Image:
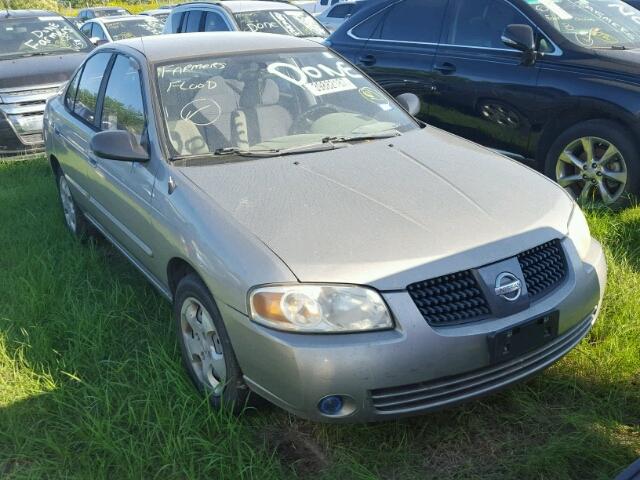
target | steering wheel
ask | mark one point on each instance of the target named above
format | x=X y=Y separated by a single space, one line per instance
x=303 y=122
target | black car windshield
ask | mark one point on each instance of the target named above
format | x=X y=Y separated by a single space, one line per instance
x=110 y=12
x=27 y=36
x=272 y=102
x=592 y=23
x=296 y=23
x=132 y=28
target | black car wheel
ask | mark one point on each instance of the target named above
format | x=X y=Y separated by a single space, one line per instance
x=207 y=353
x=595 y=161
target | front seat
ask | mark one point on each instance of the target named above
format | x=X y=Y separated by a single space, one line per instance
x=265 y=117
x=215 y=109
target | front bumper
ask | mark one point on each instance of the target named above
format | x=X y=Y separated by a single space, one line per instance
x=414 y=368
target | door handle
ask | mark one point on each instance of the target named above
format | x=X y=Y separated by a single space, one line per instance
x=445 y=68
x=56 y=130
x=367 y=60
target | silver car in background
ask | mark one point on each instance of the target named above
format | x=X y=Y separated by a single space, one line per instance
x=321 y=248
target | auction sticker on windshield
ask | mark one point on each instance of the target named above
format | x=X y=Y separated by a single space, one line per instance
x=318 y=80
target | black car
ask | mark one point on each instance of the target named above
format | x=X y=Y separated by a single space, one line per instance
x=552 y=82
x=39 y=51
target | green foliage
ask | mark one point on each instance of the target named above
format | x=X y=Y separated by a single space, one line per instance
x=91 y=384
x=31 y=4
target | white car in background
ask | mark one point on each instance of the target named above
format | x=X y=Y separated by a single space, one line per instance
x=335 y=15
x=110 y=29
x=316 y=6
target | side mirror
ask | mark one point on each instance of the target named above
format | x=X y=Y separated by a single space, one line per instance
x=118 y=145
x=521 y=38
x=410 y=102
x=97 y=41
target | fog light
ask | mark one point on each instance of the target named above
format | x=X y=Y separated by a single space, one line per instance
x=331 y=405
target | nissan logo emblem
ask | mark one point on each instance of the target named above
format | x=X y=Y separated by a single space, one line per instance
x=508 y=286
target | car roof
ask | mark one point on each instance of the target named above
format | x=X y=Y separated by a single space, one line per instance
x=161 y=48
x=27 y=14
x=237 y=6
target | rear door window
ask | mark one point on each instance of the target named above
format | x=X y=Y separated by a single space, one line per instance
x=413 y=21
x=86 y=29
x=89 y=87
x=98 y=32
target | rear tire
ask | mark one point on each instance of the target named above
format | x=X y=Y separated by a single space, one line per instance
x=207 y=353
x=597 y=163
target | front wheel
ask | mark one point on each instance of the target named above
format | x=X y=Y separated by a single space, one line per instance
x=596 y=162
x=207 y=353
x=73 y=217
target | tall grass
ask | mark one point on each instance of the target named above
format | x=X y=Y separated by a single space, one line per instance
x=91 y=384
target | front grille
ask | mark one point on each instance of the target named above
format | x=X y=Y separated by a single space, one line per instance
x=544 y=267
x=31 y=138
x=450 y=300
x=457 y=298
x=442 y=392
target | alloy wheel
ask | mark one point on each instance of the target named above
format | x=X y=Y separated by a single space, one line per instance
x=68 y=206
x=592 y=169
x=203 y=345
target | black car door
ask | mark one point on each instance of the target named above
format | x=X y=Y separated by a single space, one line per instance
x=401 y=44
x=482 y=90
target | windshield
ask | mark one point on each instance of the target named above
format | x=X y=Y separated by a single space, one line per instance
x=111 y=12
x=592 y=23
x=120 y=30
x=21 y=37
x=296 y=23
x=272 y=103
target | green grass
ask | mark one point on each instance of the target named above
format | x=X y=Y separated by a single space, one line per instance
x=91 y=384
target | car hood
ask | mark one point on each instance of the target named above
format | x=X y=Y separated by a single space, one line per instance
x=389 y=212
x=22 y=73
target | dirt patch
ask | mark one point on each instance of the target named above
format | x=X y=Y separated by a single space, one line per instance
x=297 y=450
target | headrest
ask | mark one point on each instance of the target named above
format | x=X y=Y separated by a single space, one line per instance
x=270 y=94
x=259 y=93
x=218 y=90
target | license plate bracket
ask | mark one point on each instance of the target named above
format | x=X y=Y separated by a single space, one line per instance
x=519 y=339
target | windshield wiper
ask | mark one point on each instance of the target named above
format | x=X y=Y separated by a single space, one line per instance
x=258 y=153
x=227 y=151
x=611 y=47
x=34 y=54
x=267 y=152
x=361 y=138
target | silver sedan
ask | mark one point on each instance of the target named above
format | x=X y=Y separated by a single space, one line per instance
x=321 y=248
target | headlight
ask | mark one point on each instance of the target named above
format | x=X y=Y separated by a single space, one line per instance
x=319 y=308
x=578 y=232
